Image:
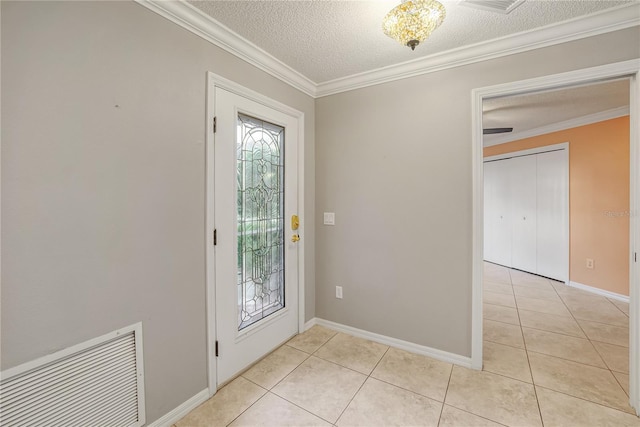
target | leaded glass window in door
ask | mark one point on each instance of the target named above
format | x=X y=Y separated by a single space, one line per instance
x=260 y=173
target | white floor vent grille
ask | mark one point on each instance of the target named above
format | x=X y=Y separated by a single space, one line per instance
x=97 y=383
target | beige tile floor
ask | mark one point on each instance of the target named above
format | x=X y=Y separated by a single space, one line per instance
x=553 y=356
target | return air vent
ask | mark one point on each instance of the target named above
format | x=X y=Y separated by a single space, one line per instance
x=96 y=383
x=499 y=6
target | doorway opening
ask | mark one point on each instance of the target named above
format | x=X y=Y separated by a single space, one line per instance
x=627 y=70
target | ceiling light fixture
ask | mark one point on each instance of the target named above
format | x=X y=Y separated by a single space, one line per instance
x=413 y=21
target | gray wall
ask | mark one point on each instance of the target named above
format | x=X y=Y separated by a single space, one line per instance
x=393 y=162
x=103 y=208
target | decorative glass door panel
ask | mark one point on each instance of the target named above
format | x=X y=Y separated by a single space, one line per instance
x=260 y=172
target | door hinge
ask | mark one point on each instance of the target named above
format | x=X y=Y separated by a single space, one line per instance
x=216 y=348
x=215 y=237
x=635 y=257
x=215 y=124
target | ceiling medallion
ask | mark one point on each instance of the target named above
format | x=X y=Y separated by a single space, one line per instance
x=413 y=21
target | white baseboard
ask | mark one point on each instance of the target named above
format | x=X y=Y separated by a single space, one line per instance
x=178 y=413
x=310 y=324
x=397 y=343
x=600 y=292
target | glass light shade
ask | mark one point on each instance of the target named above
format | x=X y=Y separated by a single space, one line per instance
x=413 y=21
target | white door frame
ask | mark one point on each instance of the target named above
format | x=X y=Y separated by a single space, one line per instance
x=215 y=81
x=538 y=150
x=629 y=69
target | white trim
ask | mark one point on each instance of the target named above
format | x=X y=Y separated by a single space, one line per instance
x=634 y=245
x=489 y=7
x=203 y=25
x=210 y=269
x=534 y=150
x=213 y=81
x=556 y=127
x=310 y=324
x=586 y=26
x=397 y=343
x=180 y=411
x=629 y=68
x=477 y=234
x=302 y=225
x=598 y=291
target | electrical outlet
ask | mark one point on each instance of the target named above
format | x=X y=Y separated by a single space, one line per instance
x=590 y=264
x=339 y=292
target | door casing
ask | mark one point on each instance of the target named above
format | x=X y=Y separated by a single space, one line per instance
x=213 y=81
x=626 y=69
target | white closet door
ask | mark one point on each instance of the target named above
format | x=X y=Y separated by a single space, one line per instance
x=497 y=222
x=552 y=253
x=504 y=218
x=523 y=198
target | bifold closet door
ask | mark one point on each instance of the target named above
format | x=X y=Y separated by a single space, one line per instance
x=524 y=212
x=552 y=254
x=497 y=212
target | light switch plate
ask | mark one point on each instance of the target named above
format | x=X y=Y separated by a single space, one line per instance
x=329 y=218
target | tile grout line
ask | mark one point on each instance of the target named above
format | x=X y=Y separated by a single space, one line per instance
x=606 y=368
x=572 y=316
x=507 y=345
x=526 y=352
x=616 y=306
x=406 y=389
x=309 y=355
x=590 y=320
x=507 y=376
x=557 y=333
x=586 y=400
x=269 y=390
x=577 y=319
x=298 y=406
x=247 y=408
x=594 y=347
x=361 y=385
x=476 y=415
x=444 y=398
x=588 y=338
x=611 y=370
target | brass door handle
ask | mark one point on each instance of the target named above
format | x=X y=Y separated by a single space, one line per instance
x=295 y=238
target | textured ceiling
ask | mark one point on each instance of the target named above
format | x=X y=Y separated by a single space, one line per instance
x=325 y=40
x=531 y=111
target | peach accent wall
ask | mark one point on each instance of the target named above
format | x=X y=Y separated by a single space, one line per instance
x=598 y=199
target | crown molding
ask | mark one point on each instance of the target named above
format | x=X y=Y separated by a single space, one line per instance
x=556 y=127
x=194 y=20
x=586 y=26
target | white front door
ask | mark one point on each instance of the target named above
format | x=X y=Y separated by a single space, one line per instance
x=256 y=253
